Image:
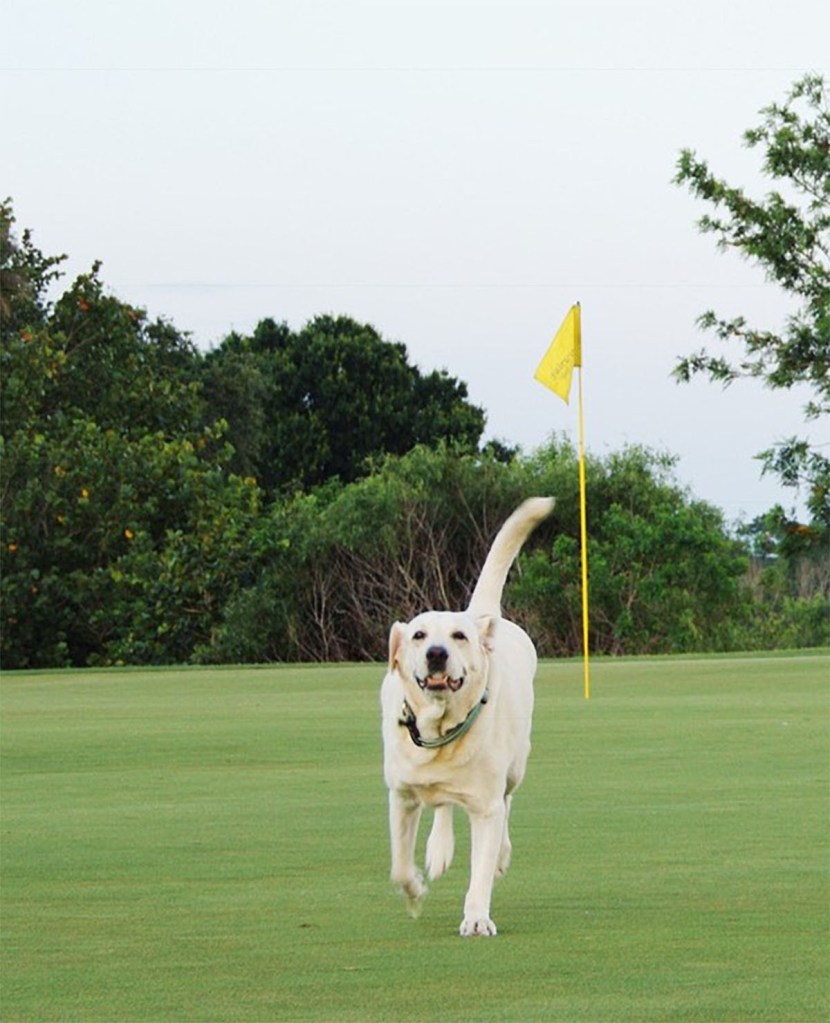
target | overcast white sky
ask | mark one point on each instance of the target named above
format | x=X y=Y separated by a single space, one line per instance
x=455 y=173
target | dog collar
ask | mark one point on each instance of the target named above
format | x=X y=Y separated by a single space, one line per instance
x=410 y=722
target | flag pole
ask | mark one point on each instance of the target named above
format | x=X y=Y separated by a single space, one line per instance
x=583 y=531
x=555 y=372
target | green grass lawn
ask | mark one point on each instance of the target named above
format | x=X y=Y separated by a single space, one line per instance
x=210 y=844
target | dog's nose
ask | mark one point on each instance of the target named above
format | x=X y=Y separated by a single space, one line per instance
x=437 y=658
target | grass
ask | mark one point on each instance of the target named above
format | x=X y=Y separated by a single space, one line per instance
x=211 y=845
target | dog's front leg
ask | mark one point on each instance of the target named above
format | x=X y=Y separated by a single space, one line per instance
x=404 y=815
x=486 y=831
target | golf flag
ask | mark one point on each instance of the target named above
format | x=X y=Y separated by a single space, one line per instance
x=556 y=369
x=555 y=372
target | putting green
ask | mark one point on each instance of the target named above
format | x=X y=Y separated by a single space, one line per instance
x=210 y=844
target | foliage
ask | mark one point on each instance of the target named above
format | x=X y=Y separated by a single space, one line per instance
x=663 y=571
x=338 y=565
x=787 y=233
x=115 y=550
x=789 y=584
x=321 y=402
x=125 y=528
x=119 y=521
x=344 y=562
x=288 y=495
x=25 y=275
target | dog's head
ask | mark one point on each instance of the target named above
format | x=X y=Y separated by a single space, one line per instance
x=441 y=652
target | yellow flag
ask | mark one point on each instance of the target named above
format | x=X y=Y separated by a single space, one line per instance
x=556 y=369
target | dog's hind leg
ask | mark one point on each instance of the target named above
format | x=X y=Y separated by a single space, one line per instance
x=441 y=843
x=404 y=815
x=506 y=851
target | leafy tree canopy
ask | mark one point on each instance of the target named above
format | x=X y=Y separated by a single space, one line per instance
x=323 y=401
x=119 y=519
x=665 y=575
x=87 y=354
x=787 y=233
x=133 y=532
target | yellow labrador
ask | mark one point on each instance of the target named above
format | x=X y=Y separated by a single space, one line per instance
x=457 y=702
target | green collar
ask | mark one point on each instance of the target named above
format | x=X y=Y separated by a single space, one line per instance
x=409 y=721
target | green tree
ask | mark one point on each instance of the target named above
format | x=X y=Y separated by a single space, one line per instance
x=25 y=275
x=787 y=234
x=664 y=574
x=789 y=580
x=335 y=567
x=120 y=523
x=324 y=401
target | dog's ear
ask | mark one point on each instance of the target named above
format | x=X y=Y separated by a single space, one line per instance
x=486 y=625
x=397 y=634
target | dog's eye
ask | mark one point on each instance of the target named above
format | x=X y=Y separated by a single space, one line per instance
x=420 y=634
x=459 y=636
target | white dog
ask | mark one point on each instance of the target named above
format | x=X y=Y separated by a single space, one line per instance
x=457 y=702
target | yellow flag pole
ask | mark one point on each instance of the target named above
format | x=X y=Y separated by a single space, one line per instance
x=583 y=529
x=555 y=372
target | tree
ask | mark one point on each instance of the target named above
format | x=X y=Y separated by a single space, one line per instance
x=787 y=233
x=25 y=274
x=664 y=575
x=335 y=567
x=121 y=527
x=322 y=402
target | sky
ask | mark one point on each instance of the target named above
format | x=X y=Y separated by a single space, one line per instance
x=455 y=173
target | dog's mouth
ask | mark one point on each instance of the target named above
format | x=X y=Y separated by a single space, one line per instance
x=437 y=683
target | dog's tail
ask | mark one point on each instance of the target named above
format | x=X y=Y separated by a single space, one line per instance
x=486 y=598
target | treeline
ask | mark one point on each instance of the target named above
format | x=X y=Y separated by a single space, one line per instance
x=336 y=566
x=288 y=495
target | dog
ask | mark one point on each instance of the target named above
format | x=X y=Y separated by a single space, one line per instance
x=456 y=706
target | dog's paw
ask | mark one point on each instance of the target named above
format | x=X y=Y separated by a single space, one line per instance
x=482 y=927
x=414 y=891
